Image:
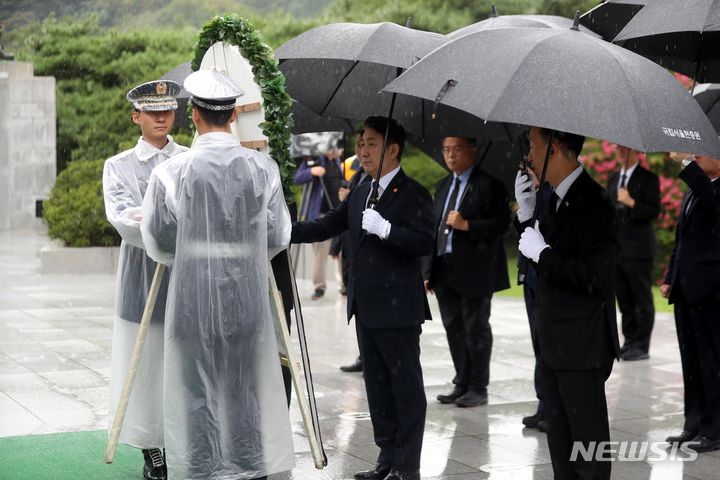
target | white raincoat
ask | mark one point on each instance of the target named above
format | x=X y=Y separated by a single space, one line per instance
x=125 y=178
x=217 y=215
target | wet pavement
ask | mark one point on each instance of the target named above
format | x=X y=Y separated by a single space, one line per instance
x=55 y=338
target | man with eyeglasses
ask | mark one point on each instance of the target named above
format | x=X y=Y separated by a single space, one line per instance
x=468 y=265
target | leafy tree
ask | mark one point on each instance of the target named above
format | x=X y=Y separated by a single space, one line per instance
x=94 y=68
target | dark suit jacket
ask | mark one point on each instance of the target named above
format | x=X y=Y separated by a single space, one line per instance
x=575 y=297
x=385 y=287
x=694 y=271
x=478 y=255
x=635 y=225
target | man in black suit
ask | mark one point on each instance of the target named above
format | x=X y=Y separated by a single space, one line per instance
x=468 y=265
x=574 y=250
x=636 y=192
x=386 y=295
x=693 y=286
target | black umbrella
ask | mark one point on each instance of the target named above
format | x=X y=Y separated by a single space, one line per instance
x=708 y=96
x=503 y=21
x=339 y=69
x=563 y=80
x=683 y=36
x=178 y=75
x=307 y=121
x=610 y=16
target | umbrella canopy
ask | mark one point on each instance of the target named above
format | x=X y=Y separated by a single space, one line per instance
x=339 y=69
x=682 y=36
x=307 y=121
x=610 y=16
x=708 y=96
x=178 y=75
x=563 y=80
x=503 y=21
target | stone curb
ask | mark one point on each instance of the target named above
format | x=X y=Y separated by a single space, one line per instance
x=56 y=258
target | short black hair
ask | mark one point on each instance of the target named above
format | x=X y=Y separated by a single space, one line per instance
x=395 y=132
x=570 y=141
x=470 y=140
x=216 y=118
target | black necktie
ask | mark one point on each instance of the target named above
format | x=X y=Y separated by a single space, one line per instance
x=552 y=208
x=444 y=229
x=623 y=179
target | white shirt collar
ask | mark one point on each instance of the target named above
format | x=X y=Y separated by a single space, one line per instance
x=562 y=189
x=145 y=151
x=387 y=178
x=217 y=138
x=628 y=172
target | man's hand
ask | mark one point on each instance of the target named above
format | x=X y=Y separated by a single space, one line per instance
x=625 y=198
x=375 y=224
x=456 y=221
x=665 y=290
x=532 y=243
x=343 y=193
x=427 y=287
x=317 y=171
x=525 y=196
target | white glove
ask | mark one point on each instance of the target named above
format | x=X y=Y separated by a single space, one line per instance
x=525 y=196
x=532 y=243
x=375 y=224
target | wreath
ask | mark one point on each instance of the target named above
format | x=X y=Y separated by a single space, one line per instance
x=235 y=30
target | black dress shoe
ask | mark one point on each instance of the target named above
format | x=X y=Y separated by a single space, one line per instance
x=532 y=421
x=318 y=294
x=379 y=472
x=456 y=393
x=703 y=444
x=472 y=399
x=684 y=436
x=356 y=366
x=403 y=475
x=633 y=354
x=542 y=426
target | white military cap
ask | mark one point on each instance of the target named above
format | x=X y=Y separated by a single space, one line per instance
x=155 y=96
x=212 y=90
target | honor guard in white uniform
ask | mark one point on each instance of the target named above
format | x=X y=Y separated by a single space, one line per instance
x=125 y=180
x=217 y=214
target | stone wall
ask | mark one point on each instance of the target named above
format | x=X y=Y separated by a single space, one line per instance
x=27 y=143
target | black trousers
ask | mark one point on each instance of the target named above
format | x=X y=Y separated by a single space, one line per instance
x=529 y=296
x=698 y=334
x=467 y=325
x=396 y=393
x=634 y=295
x=575 y=411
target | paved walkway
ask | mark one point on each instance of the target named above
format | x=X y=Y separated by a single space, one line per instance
x=55 y=337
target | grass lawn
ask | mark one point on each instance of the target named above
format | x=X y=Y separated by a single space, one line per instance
x=515 y=290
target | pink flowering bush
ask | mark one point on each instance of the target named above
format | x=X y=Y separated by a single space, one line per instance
x=600 y=161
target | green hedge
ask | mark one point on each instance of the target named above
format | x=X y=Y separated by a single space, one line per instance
x=75 y=212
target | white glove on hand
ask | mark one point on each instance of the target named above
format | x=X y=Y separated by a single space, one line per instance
x=375 y=224
x=532 y=243
x=525 y=196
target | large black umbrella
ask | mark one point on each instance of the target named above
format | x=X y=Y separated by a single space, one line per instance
x=503 y=21
x=307 y=121
x=683 y=36
x=178 y=75
x=563 y=80
x=339 y=70
x=708 y=96
x=611 y=16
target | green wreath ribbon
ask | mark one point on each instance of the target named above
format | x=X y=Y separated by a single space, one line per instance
x=235 y=30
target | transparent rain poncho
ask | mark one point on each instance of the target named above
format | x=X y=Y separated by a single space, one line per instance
x=125 y=179
x=217 y=215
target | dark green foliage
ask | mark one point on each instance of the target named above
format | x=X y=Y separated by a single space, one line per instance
x=75 y=212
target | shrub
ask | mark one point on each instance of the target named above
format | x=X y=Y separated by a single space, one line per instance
x=75 y=212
